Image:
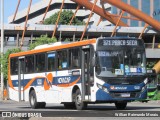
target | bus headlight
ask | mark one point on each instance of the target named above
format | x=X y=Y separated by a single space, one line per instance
x=103 y=88
x=146 y=81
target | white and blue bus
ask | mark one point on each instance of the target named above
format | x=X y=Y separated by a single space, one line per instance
x=102 y=70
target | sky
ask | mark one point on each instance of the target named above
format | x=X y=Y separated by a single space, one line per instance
x=10 y=7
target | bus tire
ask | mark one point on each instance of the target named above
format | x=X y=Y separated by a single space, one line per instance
x=69 y=105
x=42 y=104
x=33 y=100
x=120 y=105
x=79 y=104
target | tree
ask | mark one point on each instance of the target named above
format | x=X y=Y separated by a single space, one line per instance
x=65 y=18
x=39 y=41
x=5 y=60
x=44 y=39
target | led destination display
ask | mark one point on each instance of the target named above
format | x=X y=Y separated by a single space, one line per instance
x=120 y=42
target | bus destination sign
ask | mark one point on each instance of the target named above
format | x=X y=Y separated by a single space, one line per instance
x=120 y=42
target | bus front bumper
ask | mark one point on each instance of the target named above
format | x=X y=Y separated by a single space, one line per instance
x=120 y=96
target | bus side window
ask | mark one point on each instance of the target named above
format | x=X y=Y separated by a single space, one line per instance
x=14 y=66
x=51 y=61
x=62 y=60
x=29 y=62
x=40 y=62
x=74 y=60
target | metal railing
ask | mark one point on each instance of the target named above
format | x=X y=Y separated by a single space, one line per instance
x=15 y=43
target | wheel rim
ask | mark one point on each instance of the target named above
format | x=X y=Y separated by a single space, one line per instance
x=78 y=99
x=32 y=100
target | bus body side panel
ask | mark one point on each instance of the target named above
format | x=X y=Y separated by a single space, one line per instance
x=65 y=81
x=13 y=93
x=46 y=90
x=94 y=89
x=57 y=91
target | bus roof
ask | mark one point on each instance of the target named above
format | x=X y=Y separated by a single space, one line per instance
x=54 y=46
x=50 y=45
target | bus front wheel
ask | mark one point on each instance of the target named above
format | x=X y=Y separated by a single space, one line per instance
x=33 y=100
x=120 y=105
x=80 y=105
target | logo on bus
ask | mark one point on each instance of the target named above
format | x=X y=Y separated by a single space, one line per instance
x=118 y=88
x=64 y=80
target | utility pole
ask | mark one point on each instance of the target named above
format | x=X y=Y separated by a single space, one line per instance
x=2 y=39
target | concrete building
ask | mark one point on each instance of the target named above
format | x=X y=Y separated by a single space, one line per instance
x=37 y=12
x=150 y=7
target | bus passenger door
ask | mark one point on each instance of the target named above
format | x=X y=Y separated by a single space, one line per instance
x=85 y=73
x=21 y=66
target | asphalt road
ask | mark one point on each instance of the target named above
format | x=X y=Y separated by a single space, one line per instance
x=98 y=111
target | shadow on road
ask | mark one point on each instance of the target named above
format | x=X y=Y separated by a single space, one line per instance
x=94 y=107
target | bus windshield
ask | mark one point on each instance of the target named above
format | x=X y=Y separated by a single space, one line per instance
x=120 y=62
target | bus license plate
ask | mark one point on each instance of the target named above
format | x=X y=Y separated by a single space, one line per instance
x=125 y=94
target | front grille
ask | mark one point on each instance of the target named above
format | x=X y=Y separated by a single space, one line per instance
x=122 y=95
x=124 y=80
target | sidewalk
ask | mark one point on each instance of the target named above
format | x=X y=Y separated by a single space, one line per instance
x=8 y=102
x=0 y=96
x=11 y=102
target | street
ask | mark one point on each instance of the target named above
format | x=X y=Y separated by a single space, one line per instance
x=134 y=109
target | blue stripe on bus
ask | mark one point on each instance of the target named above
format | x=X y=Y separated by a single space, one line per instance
x=40 y=81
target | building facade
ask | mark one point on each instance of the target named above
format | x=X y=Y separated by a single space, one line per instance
x=150 y=7
x=37 y=12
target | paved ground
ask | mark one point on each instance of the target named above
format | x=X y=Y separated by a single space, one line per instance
x=93 y=112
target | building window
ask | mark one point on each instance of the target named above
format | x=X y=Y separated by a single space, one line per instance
x=145 y=8
x=125 y=14
x=134 y=3
x=156 y=12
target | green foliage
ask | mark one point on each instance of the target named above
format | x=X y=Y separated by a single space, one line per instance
x=65 y=18
x=5 y=60
x=44 y=39
x=151 y=64
x=157 y=96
